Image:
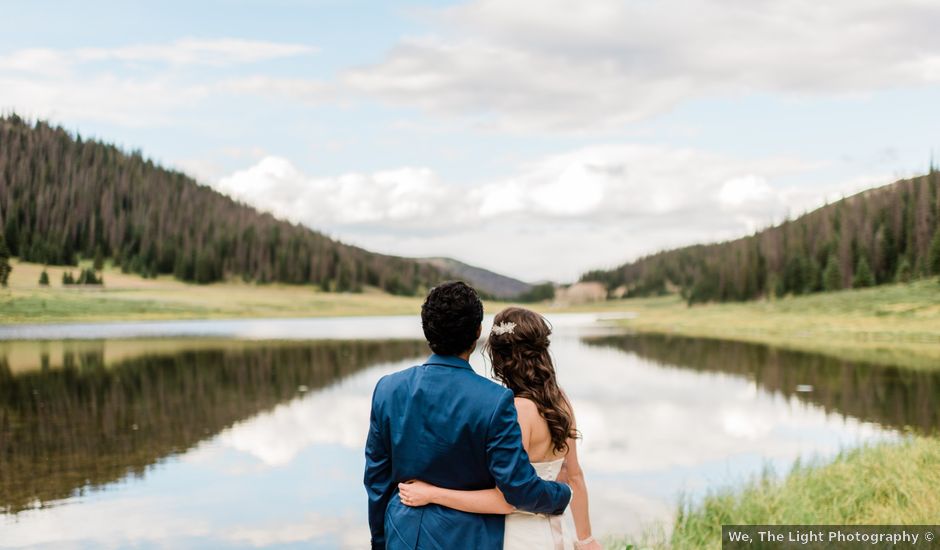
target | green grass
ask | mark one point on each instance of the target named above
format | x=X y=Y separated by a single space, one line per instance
x=888 y=483
x=130 y=297
x=882 y=484
x=38 y=308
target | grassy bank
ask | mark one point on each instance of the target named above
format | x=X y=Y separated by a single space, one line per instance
x=891 y=324
x=878 y=485
x=130 y=297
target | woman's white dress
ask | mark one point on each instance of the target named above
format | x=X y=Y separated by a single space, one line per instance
x=526 y=531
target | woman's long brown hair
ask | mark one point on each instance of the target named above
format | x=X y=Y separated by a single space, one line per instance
x=521 y=361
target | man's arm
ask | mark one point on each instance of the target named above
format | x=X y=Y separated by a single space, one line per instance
x=510 y=467
x=378 y=476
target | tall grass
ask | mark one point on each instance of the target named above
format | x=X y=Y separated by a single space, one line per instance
x=888 y=483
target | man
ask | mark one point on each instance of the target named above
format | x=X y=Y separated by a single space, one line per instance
x=442 y=423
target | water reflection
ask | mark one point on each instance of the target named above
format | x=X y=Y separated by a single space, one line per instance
x=227 y=453
x=887 y=395
x=79 y=422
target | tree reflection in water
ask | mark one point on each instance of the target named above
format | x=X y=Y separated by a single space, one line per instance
x=887 y=395
x=72 y=429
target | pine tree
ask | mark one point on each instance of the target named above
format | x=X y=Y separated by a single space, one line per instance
x=812 y=276
x=933 y=257
x=794 y=276
x=204 y=268
x=44 y=278
x=904 y=271
x=99 y=259
x=5 y=267
x=88 y=277
x=863 y=275
x=832 y=275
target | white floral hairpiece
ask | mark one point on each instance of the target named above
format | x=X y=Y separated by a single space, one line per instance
x=504 y=328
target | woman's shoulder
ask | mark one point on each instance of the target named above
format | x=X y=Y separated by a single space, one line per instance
x=530 y=418
x=526 y=407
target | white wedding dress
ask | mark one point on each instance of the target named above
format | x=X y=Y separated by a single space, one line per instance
x=526 y=531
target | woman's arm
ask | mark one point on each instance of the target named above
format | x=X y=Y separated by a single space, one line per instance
x=484 y=501
x=574 y=476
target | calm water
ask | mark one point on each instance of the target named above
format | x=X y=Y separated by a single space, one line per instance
x=249 y=433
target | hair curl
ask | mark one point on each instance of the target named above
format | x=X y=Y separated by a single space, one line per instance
x=521 y=361
x=450 y=317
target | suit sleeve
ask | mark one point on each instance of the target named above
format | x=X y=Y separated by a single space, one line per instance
x=510 y=467
x=378 y=474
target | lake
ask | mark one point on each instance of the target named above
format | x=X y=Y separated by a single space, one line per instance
x=249 y=433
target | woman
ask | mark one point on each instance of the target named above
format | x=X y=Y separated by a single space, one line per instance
x=518 y=350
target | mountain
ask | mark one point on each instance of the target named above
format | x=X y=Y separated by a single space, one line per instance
x=883 y=235
x=62 y=197
x=487 y=282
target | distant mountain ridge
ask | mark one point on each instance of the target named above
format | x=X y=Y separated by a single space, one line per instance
x=882 y=235
x=487 y=282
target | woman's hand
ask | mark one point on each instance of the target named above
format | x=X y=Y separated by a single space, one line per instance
x=589 y=543
x=416 y=493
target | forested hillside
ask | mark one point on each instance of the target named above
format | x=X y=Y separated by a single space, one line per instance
x=882 y=235
x=62 y=198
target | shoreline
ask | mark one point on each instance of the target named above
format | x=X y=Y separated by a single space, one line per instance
x=889 y=324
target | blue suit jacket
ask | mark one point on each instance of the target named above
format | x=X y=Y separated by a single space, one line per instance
x=443 y=423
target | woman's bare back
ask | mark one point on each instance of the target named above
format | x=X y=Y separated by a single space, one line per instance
x=536 y=438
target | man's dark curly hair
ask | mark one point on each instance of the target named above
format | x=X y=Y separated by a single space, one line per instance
x=450 y=317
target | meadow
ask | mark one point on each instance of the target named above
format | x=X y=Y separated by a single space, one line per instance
x=131 y=297
x=895 y=324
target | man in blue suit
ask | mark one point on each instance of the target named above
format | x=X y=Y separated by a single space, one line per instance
x=442 y=423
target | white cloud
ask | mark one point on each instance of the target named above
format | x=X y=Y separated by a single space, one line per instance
x=407 y=197
x=553 y=65
x=183 y=52
x=138 y=85
x=299 y=89
x=190 y=51
x=595 y=206
x=130 y=102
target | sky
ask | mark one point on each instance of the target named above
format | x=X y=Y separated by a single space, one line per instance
x=536 y=138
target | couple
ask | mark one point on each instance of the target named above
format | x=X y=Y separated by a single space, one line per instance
x=454 y=460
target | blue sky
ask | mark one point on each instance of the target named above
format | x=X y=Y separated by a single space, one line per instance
x=536 y=138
